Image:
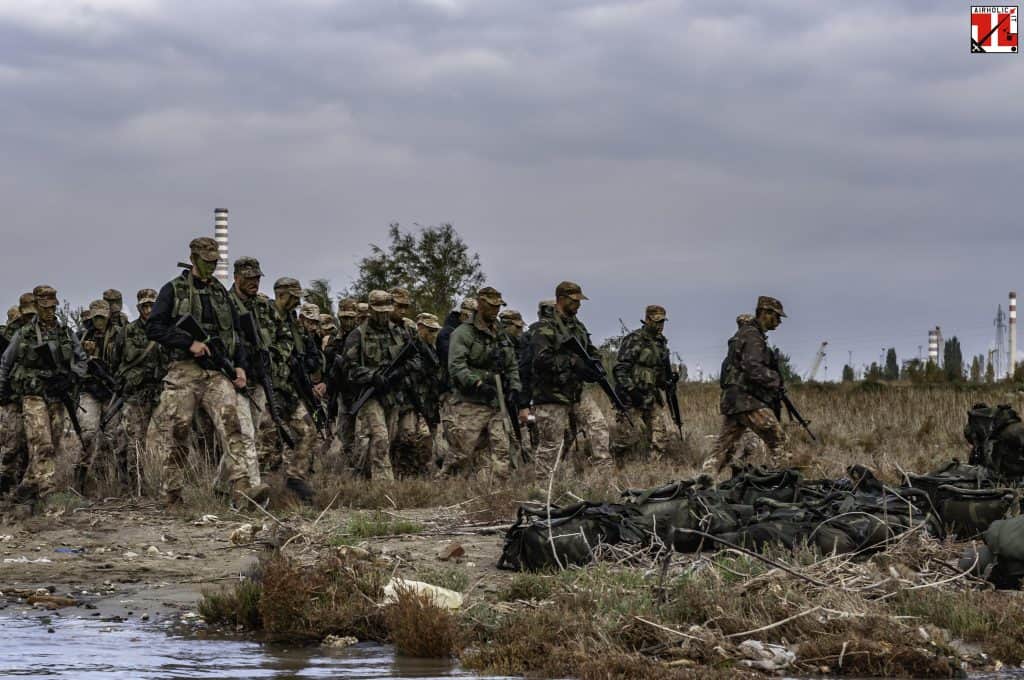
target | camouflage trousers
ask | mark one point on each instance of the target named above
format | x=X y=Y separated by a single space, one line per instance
x=372 y=445
x=134 y=436
x=593 y=428
x=555 y=433
x=646 y=439
x=13 y=450
x=296 y=461
x=188 y=387
x=94 y=440
x=478 y=441
x=44 y=425
x=411 y=443
x=761 y=422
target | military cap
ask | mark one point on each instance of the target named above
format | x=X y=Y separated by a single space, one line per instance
x=380 y=301
x=347 y=313
x=512 y=317
x=112 y=295
x=570 y=290
x=400 y=296
x=205 y=247
x=99 y=308
x=13 y=314
x=468 y=305
x=490 y=295
x=327 y=321
x=309 y=311
x=247 y=267
x=362 y=308
x=655 y=313
x=347 y=305
x=146 y=296
x=770 y=303
x=45 y=296
x=27 y=303
x=429 y=320
x=287 y=284
x=545 y=304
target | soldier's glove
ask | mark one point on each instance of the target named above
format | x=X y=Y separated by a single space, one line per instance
x=380 y=382
x=487 y=391
x=513 y=401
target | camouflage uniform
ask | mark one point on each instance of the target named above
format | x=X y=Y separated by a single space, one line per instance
x=751 y=383
x=290 y=339
x=196 y=383
x=339 y=391
x=513 y=324
x=410 y=437
x=427 y=383
x=557 y=378
x=13 y=447
x=113 y=298
x=104 y=348
x=478 y=356
x=26 y=376
x=143 y=367
x=642 y=371
x=370 y=348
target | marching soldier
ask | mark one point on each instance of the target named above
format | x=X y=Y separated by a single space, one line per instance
x=558 y=376
x=340 y=394
x=143 y=367
x=751 y=385
x=642 y=371
x=410 y=435
x=39 y=369
x=113 y=298
x=102 y=342
x=485 y=380
x=198 y=379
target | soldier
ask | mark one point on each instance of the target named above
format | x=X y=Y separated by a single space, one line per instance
x=39 y=369
x=751 y=384
x=102 y=342
x=558 y=376
x=13 y=448
x=410 y=436
x=402 y=303
x=545 y=310
x=642 y=371
x=291 y=339
x=480 y=356
x=194 y=380
x=255 y=415
x=451 y=322
x=362 y=313
x=369 y=349
x=328 y=329
x=512 y=323
x=113 y=298
x=340 y=396
x=143 y=367
x=425 y=386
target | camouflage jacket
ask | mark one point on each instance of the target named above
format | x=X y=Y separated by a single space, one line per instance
x=750 y=376
x=289 y=339
x=476 y=354
x=370 y=348
x=109 y=348
x=262 y=311
x=643 y=369
x=427 y=381
x=24 y=368
x=557 y=375
x=143 y=364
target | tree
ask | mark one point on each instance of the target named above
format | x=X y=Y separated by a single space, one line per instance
x=976 y=369
x=990 y=372
x=913 y=371
x=874 y=372
x=953 y=360
x=892 y=366
x=435 y=265
x=319 y=293
x=848 y=375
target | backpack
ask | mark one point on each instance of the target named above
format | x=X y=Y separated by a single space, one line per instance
x=968 y=512
x=984 y=425
x=1005 y=539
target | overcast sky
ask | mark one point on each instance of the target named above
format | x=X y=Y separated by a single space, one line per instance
x=851 y=158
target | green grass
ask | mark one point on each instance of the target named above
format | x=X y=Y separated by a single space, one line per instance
x=369 y=525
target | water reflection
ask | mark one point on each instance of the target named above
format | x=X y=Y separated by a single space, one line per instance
x=81 y=648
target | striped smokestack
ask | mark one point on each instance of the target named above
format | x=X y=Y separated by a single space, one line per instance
x=220 y=234
x=933 y=346
x=1013 y=334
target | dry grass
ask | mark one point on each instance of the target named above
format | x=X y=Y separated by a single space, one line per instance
x=419 y=627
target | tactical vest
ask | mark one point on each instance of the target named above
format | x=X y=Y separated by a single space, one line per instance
x=30 y=375
x=649 y=362
x=145 y=361
x=188 y=300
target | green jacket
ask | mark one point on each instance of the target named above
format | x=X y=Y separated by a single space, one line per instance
x=476 y=354
x=750 y=376
x=642 y=368
x=24 y=371
x=109 y=351
x=558 y=375
x=368 y=349
x=143 y=364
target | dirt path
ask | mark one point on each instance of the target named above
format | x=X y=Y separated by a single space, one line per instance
x=129 y=560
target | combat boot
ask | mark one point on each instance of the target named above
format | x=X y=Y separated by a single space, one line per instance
x=301 y=488
x=241 y=491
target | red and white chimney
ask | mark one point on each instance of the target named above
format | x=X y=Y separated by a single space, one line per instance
x=1013 y=334
x=220 y=234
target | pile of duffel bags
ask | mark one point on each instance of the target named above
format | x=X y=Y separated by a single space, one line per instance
x=759 y=507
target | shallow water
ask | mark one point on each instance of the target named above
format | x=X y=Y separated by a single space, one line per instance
x=80 y=648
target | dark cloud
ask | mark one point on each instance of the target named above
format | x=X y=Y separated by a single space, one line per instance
x=851 y=158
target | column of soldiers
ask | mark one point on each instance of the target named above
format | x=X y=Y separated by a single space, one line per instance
x=481 y=394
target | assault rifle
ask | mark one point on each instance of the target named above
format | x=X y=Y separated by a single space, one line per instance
x=387 y=374
x=672 y=399
x=264 y=376
x=217 y=359
x=63 y=386
x=794 y=414
x=304 y=388
x=601 y=376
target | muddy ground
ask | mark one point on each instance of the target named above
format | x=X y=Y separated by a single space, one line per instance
x=134 y=560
